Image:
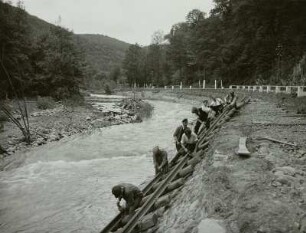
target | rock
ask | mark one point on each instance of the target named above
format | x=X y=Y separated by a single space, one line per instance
x=117 y=117
x=45 y=131
x=88 y=118
x=11 y=149
x=290 y=171
x=17 y=116
x=54 y=137
x=35 y=114
x=209 y=225
x=11 y=142
x=285 y=180
x=40 y=141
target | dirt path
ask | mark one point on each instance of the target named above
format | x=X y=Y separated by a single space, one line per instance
x=264 y=193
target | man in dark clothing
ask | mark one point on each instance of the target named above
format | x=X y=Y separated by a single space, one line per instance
x=131 y=194
x=160 y=159
x=202 y=117
x=178 y=134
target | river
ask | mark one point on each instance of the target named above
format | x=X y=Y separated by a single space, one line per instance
x=66 y=186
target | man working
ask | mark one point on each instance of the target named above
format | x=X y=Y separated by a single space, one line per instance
x=229 y=98
x=202 y=117
x=131 y=194
x=189 y=141
x=179 y=133
x=216 y=105
x=160 y=159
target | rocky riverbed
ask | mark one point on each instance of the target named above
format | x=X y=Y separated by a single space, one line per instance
x=62 y=121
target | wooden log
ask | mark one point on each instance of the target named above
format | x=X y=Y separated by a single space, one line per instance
x=162 y=201
x=147 y=222
x=194 y=161
x=275 y=140
x=155 y=186
x=231 y=112
x=152 y=230
x=144 y=199
x=186 y=171
x=175 y=184
x=242 y=147
x=160 y=211
x=199 y=153
x=202 y=146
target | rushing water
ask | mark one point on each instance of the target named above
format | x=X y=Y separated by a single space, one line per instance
x=65 y=186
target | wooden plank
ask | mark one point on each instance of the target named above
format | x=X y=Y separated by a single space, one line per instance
x=278 y=141
x=243 y=150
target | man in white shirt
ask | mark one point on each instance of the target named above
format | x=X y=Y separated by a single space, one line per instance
x=189 y=141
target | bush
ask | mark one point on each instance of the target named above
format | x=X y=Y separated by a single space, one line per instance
x=300 y=105
x=3 y=117
x=145 y=110
x=45 y=103
x=74 y=100
x=107 y=90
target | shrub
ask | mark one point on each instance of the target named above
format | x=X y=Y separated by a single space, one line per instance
x=45 y=103
x=74 y=100
x=3 y=117
x=145 y=110
x=107 y=90
x=300 y=105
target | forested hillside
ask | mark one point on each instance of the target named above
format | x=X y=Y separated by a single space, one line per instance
x=39 y=58
x=240 y=42
x=102 y=52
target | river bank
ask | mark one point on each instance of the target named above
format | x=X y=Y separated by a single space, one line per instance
x=263 y=193
x=65 y=186
x=63 y=121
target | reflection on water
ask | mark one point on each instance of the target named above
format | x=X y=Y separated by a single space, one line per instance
x=65 y=186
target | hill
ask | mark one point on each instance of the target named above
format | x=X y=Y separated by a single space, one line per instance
x=102 y=52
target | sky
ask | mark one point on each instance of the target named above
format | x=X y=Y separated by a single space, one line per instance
x=132 y=21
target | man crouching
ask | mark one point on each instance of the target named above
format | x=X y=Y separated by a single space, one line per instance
x=160 y=159
x=131 y=194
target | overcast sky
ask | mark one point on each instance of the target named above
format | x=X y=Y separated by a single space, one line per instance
x=127 y=20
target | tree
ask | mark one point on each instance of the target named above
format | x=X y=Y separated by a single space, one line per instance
x=158 y=38
x=133 y=64
x=14 y=47
x=58 y=64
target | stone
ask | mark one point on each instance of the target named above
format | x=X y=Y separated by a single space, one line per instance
x=210 y=225
x=11 y=149
x=287 y=170
x=88 y=118
x=40 y=141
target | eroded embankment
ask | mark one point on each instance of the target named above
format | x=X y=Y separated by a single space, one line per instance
x=263 y=193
